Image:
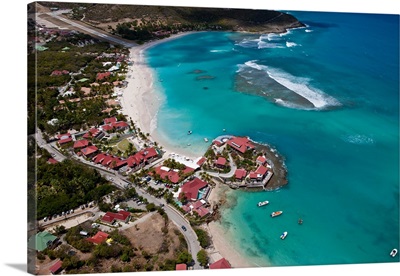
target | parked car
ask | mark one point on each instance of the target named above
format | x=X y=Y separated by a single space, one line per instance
x=45 y=219
x=183 y=228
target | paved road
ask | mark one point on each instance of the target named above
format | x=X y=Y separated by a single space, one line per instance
x=91 y=30
x=43 y=144
x=121 y=182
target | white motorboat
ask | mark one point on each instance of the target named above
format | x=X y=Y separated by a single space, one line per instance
x=277 y=213
x=283 y=236
x=205 y=140
x=262 y=203
x=393 y=253
x=189 y=132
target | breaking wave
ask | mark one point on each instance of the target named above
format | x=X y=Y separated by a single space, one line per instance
x=298 y=85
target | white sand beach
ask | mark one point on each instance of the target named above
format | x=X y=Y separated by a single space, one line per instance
x=139 y=100
x=222 y=248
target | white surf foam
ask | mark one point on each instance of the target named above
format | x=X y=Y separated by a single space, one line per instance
x=290 y=44
x=308 y=31
x=298 y=85
x=218 y=51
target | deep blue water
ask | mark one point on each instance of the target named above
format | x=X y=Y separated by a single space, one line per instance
x=327 y=98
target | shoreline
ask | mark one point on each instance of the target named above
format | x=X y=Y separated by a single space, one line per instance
x=221 y=239
x=140 y=100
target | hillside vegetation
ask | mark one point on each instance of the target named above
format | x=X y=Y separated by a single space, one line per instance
x=165 y=18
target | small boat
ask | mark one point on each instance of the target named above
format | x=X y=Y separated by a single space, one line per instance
x=300 y=221
x=188 y=144
x=189 y=132
x=205 y=140
x=393 y=253
x=283 y=236
x=262 y=203
x=224 y=130
x=277 y=213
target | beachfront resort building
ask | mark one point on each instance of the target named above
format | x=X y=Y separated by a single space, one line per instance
x=241 y=144
x=194 y=189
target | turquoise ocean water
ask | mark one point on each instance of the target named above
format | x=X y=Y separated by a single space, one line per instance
x=327 y=98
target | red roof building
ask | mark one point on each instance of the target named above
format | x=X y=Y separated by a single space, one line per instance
x=218 y=143
x=259 y=174
x=240 y=174
x=88 y=151
x=122 y=215
x=110 y=120
x=121 y=125
x=202 y=211
x=201 y=161
x=81 y=144
x=191 y=188
x=262 y=170
x=52 y=161
x=181 y=267
x=59 y=73
x=64 y=141
x=221 y=162
x=93 y=133
x=101 y=76
x=107 y=128
x=55 y=268
x=241 y=144
x=261 y=160
x=222 y=263
x=98 y=238
x=143 y=156
x=167 y=174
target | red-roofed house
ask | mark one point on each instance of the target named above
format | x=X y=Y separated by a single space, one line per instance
x=261 y=160
x=55 y=268
x=110 y=217
x=98 y=238
x=64 y=141
x=52 y=161
x=181 y=267
x=202 y=211
x=262 y=170
x=106 y=128
x=101 y=76
x=240 y=174
x=110 y=120
x=167 y=174
x=121 y=125
x=93 y=133
x=89 y=151
x=241 y=144
x=222 y=263
x=59 y=73
x=201 y=161
x=86 y=90
x=221 y=162
x=143 y=157
x=81 y=144
x=218 y=143
x=259 y=174
x=191 y=188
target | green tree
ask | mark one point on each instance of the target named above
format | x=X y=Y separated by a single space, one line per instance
x=184 y=258
x=203 y=237
x=202 y=257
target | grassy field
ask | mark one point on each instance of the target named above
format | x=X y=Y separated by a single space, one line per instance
x=122 y=146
